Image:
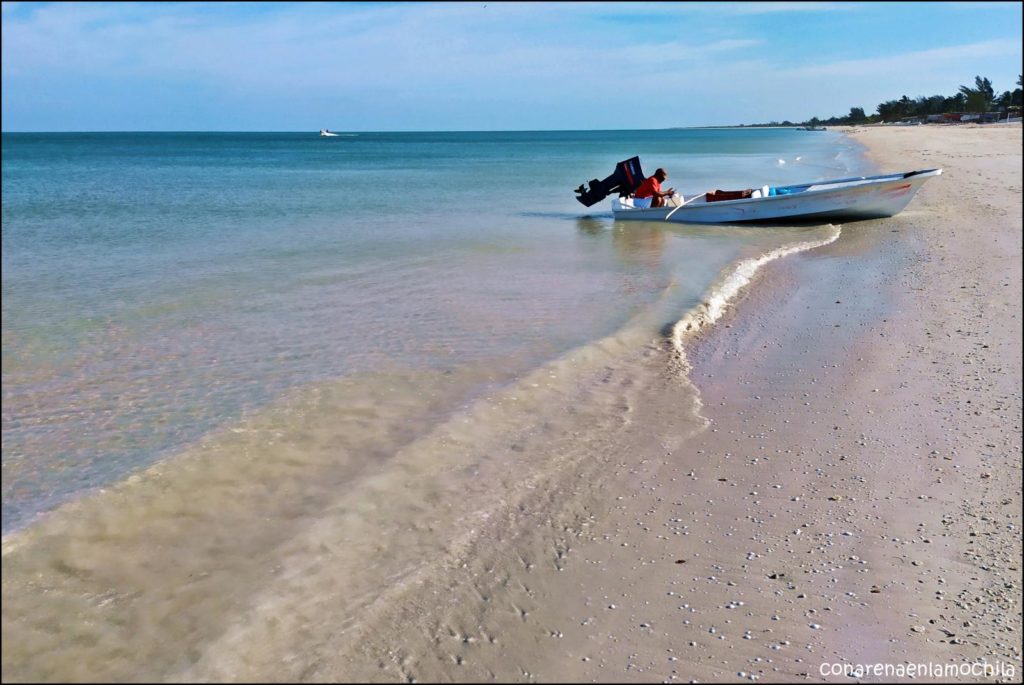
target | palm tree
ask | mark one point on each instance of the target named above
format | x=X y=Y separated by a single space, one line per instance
x=979 y=98
x=906 y=106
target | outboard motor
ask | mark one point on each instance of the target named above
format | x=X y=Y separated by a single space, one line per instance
x=627 y=177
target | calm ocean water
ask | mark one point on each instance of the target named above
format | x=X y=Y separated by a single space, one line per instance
x=161 y=287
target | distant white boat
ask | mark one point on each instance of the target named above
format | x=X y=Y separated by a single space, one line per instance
x=324 y=132
x=863 y=197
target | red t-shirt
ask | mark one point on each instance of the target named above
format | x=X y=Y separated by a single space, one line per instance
x=648 y=188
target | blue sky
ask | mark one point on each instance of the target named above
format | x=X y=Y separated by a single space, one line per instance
x=485 y=65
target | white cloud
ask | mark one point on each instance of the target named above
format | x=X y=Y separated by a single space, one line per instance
x=368 y=48
x=936 y=59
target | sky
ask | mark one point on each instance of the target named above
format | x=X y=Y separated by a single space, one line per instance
x=485 y=66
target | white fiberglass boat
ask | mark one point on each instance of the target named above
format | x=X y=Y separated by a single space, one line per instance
x=326 y=133
x=861 y=197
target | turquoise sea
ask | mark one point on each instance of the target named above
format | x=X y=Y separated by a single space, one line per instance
x=162 y=288
x=266 y=397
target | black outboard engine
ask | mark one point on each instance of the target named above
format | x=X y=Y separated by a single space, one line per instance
x=627 y=177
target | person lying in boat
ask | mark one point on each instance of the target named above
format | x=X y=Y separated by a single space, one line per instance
x=649 y=194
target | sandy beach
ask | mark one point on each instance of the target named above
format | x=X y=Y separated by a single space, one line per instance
x=854 y=502
x=882 y=373
x=512 y=343
x=830 y=478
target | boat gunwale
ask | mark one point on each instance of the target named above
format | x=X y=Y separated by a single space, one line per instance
x=878 y=180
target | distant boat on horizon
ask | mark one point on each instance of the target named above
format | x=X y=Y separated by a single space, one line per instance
x=326 y=133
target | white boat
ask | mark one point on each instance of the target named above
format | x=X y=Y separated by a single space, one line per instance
x=324 y=132
x=862 y=197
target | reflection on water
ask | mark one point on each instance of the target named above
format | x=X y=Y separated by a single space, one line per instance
x=643 y=245
x=591 y=226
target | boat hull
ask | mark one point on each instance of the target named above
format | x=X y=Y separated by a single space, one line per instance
x=869 y=198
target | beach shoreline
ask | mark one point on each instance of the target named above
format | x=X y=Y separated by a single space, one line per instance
x=832 y=477
x=854 y=501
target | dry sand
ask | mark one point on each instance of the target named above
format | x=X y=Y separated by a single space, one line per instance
x=856 y=498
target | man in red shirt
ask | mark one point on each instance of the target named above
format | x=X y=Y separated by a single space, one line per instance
x=651 y=188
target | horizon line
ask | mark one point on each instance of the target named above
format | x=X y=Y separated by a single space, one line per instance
x=511 y=130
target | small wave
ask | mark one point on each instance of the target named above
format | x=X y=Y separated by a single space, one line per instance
x=720 y=295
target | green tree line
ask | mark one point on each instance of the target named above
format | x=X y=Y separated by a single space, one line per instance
x=979 y=98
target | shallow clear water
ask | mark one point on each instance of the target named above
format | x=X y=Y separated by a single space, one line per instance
x=262 y=392
x=160 y=287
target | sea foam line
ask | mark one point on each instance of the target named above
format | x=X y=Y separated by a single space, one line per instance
x=719 y=296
